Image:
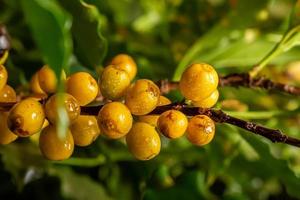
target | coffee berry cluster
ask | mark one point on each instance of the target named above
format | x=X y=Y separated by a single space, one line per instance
x=124 y=97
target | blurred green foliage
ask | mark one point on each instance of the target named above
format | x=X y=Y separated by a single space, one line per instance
x=163 y=36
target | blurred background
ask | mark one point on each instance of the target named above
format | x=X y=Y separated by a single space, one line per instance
x=163 y=36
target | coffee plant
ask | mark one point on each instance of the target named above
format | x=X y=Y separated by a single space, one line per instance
x=149 y=99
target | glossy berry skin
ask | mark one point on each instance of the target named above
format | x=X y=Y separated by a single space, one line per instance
x=114 y=82
x=125 y=63
x=70 y=103
x=172 y=124
x=142 y=97
x=3 y=57
x=209 y=101
x=201 y=130
x=83 y=87
x=6 y=136
x=26 y=117
x=48 y=80
x=3 y=76
x=143 y=141
x=35 y=84
x=54 y=148
x=8 y=94
x=85 y=130
x=115 y=120
x=198 y=81
x=152 y=119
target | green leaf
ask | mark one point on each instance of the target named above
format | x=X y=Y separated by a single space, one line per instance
x=267 y=166
x=50 y=27
x=89 y=44
x=240 y=18
x=190 y=186
x=76 y=186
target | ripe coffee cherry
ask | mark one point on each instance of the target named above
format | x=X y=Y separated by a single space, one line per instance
x=209 y=101
x=115 y=120
x=114 y=82
x=198 y=81
x=83 y=87
x=26 y=117
x=6 y=136
x=143 y=141
x=152 y=119
x=3 y=57
x=8 y=94
x=35 y=85
x=54 y=148
x=172 y=124
x=125 y=63
x=142 y=97
x=85 y=130
x=70 y=103
x=201 y=130
x=48 y=80
x=3 y=76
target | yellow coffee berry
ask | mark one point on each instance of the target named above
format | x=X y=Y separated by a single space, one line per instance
x=198 y=81
x=54 y=148
x=3 y=57
x=83 y=87
x=6 y=136
x=26 y=117
x=152 y=119
x=48 y=80
x=172 y=124
x=8 y=94
x=114 y=82
x=209 y=101
x=125 y=63
x=115 y=120
x=201 y=130
x=3 y=76
x=142 y=97
x=85 y=130
x=70 y=103
x=143 y=141
x=35 y=84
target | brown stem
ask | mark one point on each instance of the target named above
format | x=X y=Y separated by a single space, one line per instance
x=239 y=80
x=218 y=116
x=244 y=80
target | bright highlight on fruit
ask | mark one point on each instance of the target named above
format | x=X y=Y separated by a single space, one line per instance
x=8 y=94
